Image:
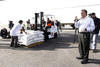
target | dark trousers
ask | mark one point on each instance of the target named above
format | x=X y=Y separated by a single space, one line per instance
x=14 y=41
x=46 y=35
x=84 y=42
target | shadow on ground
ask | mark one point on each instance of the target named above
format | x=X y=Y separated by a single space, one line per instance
x=61 y=42
x=94 y=61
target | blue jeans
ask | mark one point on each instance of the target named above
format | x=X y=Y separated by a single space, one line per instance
x=94 y=41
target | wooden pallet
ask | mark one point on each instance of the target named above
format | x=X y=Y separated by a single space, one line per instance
x=34 y=44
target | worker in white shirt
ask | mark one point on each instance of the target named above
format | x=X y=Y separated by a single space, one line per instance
x=14 y=34
x=86 y=26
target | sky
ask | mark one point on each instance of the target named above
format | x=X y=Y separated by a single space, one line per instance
x=62 y=9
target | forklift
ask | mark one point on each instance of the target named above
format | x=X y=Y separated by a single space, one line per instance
x=49 y=33
x=32 y=38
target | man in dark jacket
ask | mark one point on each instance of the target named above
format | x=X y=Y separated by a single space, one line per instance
x=95 y=32
x=11 y=25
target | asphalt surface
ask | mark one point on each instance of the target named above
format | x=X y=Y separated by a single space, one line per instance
x=59 y=52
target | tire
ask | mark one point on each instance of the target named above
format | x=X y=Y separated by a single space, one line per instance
x=55 y=35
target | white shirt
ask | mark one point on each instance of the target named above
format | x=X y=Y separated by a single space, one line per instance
x=15 y=30
x=86 y=23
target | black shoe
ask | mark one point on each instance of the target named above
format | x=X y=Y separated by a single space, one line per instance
x=79 y=58
x=11 y=45
x=16 y=46
x=84 y=62
x=94 y=51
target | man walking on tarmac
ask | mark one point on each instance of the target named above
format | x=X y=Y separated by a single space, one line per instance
x=85 y=25
x=95 y=32
x=14 y=34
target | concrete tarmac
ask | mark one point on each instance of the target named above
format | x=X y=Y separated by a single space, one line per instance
x=60 y=52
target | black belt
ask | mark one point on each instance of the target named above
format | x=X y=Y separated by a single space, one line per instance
x=84 y=32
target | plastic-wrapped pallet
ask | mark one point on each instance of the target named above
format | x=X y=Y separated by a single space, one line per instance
x=31 y=37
